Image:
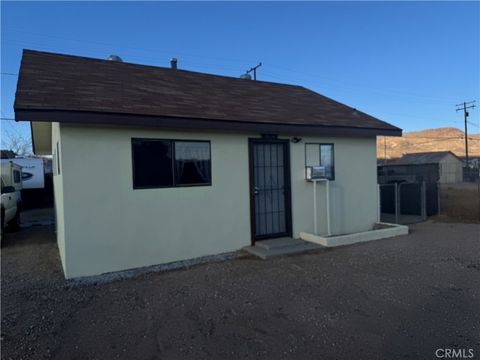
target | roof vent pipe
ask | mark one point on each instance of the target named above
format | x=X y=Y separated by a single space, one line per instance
x=173 y=63
x=246 y=76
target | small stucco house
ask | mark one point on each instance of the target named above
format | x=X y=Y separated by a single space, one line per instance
x=155 y=165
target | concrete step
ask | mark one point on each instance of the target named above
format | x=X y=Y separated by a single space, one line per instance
x=278 y=243
x=297 y=247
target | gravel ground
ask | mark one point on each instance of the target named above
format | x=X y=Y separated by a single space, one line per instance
x=399 y=298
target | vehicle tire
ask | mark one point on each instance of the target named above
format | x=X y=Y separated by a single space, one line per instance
x=14 y=224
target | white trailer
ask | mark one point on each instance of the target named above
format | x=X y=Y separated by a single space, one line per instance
x=11 y=174
x=33 y=175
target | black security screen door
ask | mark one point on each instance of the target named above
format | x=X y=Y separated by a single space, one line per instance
x=270 y=188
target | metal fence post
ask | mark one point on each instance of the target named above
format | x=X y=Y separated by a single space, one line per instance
x=397 y=203
x=438 y=198
x=379 y=207
x=424 y=200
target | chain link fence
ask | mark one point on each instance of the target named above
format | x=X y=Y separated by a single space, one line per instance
x=410 y=193
x=408 y=202
x=471 y=174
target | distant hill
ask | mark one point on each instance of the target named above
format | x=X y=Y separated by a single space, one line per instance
x=439 y=139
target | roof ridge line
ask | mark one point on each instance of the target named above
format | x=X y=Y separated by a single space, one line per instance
x=157 y=67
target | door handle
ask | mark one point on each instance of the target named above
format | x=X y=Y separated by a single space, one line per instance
x=255 y=190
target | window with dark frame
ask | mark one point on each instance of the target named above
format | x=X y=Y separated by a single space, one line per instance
x=161 y=163
x=319 y=154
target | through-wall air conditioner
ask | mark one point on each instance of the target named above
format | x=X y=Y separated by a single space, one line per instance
x=315 y=173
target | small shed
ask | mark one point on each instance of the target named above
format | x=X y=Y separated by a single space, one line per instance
x=442 y=166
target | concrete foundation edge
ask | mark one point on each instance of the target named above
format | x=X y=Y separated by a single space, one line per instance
x=388 y=230
x=133 y=273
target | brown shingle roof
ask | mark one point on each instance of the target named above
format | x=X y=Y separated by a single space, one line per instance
x=55 y=82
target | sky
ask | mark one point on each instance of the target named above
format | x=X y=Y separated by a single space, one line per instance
x=406 y=63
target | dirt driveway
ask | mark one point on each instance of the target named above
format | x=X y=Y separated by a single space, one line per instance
x=400 y=298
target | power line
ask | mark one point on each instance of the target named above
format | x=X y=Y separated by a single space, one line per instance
x=9 y=123
x=13 y=128
x=433 y=137
x=215 y=66
x=157 y=51
x=444 y=138
x=76 y=49
x=436 y=140
x=473 y=124
x=411 y=116
x=268 y=73
x=4 y=117
x=280 y=78
x=272 y=74
x=362 y=86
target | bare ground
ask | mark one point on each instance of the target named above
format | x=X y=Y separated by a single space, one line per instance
x=400 y=298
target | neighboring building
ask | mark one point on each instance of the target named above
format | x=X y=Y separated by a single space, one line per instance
x=442 y=166
x=155 y=165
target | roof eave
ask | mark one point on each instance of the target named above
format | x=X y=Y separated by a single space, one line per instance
x=96 y=118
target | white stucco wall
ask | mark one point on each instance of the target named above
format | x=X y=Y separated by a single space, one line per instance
x=109 y=226
x=353 y=193
x=58 y=194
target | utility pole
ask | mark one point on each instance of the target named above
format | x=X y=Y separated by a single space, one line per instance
x=254 y=69
x=464 y=107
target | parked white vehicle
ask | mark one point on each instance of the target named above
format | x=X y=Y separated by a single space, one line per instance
x=11 y=199
x=10 y=207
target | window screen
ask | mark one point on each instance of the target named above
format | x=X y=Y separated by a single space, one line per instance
x=168 y=163
x=321 y=155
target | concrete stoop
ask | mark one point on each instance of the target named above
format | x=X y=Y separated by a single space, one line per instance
x=281 y=246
